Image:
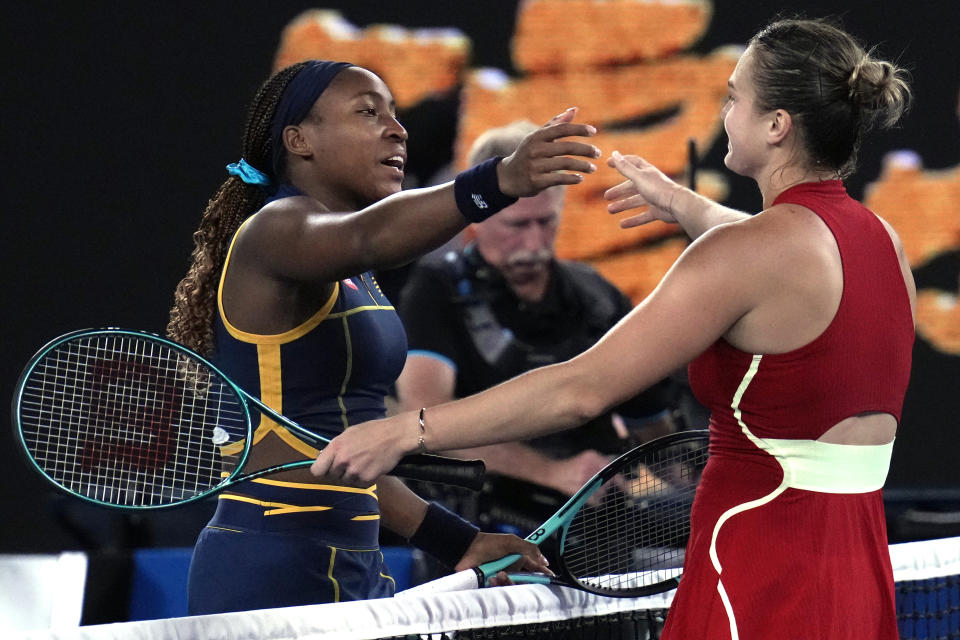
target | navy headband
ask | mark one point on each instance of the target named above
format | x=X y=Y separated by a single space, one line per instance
x=297 y=99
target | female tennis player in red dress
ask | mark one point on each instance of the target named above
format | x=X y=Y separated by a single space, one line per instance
x=799 y=325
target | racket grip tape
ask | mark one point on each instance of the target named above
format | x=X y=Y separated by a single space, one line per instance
x=468 y=474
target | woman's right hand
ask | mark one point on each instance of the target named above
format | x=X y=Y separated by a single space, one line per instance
x=545 y=158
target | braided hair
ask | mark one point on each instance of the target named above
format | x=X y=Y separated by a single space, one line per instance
x=195 y=298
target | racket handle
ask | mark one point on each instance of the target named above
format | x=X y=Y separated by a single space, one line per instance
x=460 y=581
x=489 y=569
x=452 y=471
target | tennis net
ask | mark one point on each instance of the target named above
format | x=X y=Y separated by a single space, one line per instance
x=928 y=607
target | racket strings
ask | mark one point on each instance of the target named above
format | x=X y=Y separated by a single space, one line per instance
x=127 y=420
x=633 y=533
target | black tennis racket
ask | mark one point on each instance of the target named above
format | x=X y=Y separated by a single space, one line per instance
x=131 y=420
x=625 y=531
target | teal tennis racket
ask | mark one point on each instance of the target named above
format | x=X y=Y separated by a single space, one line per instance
x=131 y=420
x=625 y=531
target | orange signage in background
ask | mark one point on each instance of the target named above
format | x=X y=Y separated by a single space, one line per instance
x=413 y=63
x=921 y=206
x=626 y=65
x=644 y=95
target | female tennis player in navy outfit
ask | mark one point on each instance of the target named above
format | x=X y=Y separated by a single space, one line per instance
x=280 y=295
x=799 y=322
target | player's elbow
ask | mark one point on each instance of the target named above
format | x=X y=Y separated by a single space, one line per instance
x=584 y=398
x=589 y=406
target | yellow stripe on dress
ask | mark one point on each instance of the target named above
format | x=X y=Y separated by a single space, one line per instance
x=336 y=585
x=371 y=490
x=347 y=370
x=273 y=508
x=355 y=310
x=384 y=575
x=276 y=338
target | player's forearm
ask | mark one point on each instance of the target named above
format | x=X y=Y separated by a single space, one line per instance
x=408 y=224
x=507 y=413
x=401 y=510
x=698 y=214
x=513 y=459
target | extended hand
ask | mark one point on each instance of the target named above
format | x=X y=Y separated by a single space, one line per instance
x=493 y=546
x=362 y=453
x=646 y=186
x=543 y=158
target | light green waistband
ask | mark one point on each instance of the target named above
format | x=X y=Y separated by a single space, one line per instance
x=830 y=468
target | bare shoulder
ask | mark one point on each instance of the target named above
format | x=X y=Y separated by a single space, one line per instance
x=281 y=216
x=785 y=250
x=905 y=268
x=894 y=237
x=297 y=240
x=278 y=224
x=772 y=234
x=724 y=263
x=722 y=249
x=792 y=219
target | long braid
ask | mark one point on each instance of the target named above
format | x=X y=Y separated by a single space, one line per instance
x=195 y=299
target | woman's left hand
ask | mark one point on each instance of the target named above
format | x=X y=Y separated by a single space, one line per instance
x=493 y=546
x=645 y=186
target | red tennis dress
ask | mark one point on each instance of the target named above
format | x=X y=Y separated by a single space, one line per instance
x=788 y=533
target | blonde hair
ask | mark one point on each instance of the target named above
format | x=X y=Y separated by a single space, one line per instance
x=499 y=141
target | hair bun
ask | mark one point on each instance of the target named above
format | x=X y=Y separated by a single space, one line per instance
x=878 y=87
x=852 y=81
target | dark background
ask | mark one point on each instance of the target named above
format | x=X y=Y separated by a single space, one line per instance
x=118 y=118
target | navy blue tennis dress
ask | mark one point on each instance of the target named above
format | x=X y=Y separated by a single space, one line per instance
x=277 y=544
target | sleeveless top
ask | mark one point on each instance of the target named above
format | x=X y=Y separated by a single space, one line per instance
x=860 y=363
x=332 y=371
x=788 y=532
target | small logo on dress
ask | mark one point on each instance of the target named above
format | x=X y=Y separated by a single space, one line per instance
x=479 y=201
x=349 y=283
x=219 y=435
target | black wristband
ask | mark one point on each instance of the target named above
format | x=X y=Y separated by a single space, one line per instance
x=478 y=191
x=444 y=535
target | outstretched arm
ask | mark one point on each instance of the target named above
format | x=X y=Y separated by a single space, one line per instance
x=302 y=244
x=710 y=287
x=428 y=381
x=647 y=186
x=520 y=460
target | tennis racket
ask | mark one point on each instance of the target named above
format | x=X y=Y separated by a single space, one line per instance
x=131 y=420
x=623 y=533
